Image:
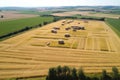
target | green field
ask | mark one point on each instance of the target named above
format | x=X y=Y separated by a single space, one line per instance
x=14 y=25
x=116 y=12
x=114 y=24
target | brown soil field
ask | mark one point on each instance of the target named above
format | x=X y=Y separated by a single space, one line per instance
x=95 y=48
x=8 y=15
x=86 y=13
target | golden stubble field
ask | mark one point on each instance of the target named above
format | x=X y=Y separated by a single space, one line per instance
x=87 y=13
x=95 y=48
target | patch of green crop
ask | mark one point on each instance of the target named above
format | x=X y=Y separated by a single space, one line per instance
x=14 y=25
x=114 y=24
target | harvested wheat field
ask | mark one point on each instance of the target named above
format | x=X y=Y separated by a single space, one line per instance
x=87 y=13
x=88 y=44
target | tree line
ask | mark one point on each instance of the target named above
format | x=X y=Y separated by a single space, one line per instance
x=66 y=73
x=56 y=18
x=1 y=16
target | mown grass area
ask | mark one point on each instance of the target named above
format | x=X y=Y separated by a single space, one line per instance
x=14 y=25
x=114 y=24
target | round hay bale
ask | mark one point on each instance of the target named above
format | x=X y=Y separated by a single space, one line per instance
x=74 y=30
x=62 y=24
x=63 y=21
x=68 y=28
x=48 y=43
x=79 y=28
x=67 y=35
x=61 y=41
x=56 y=28
x=85 y=21
x=54 y=31
x=82 y=28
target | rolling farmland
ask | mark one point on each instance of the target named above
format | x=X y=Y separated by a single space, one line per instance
x=95 y=48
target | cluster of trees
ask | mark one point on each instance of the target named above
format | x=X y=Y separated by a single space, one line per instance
x=56 y=18
x=90 y=18
x=58 y=11
x=65 y=73
x=1 y=16
x=23 y=29
x=87 y=10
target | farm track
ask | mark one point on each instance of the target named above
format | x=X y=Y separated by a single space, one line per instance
x=18 y=58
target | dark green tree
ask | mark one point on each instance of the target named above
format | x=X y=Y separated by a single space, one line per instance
x=74 y=74
x=105 y=76
x=65 y=69
x=88 y=78
x=2 y=16
x=81 y=75
x=52 y=74
x=40 y=25
x=95 y=78
x=59 y=70
x=115 y=73
x=44 y=23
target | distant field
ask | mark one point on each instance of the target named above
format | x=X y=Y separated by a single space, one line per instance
x=86 y=13
x=116 y=12
x=36 y=12
x=14 y=25
x=10 y=15
x=94 y=49
x=115 y=25
x=44 y=12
